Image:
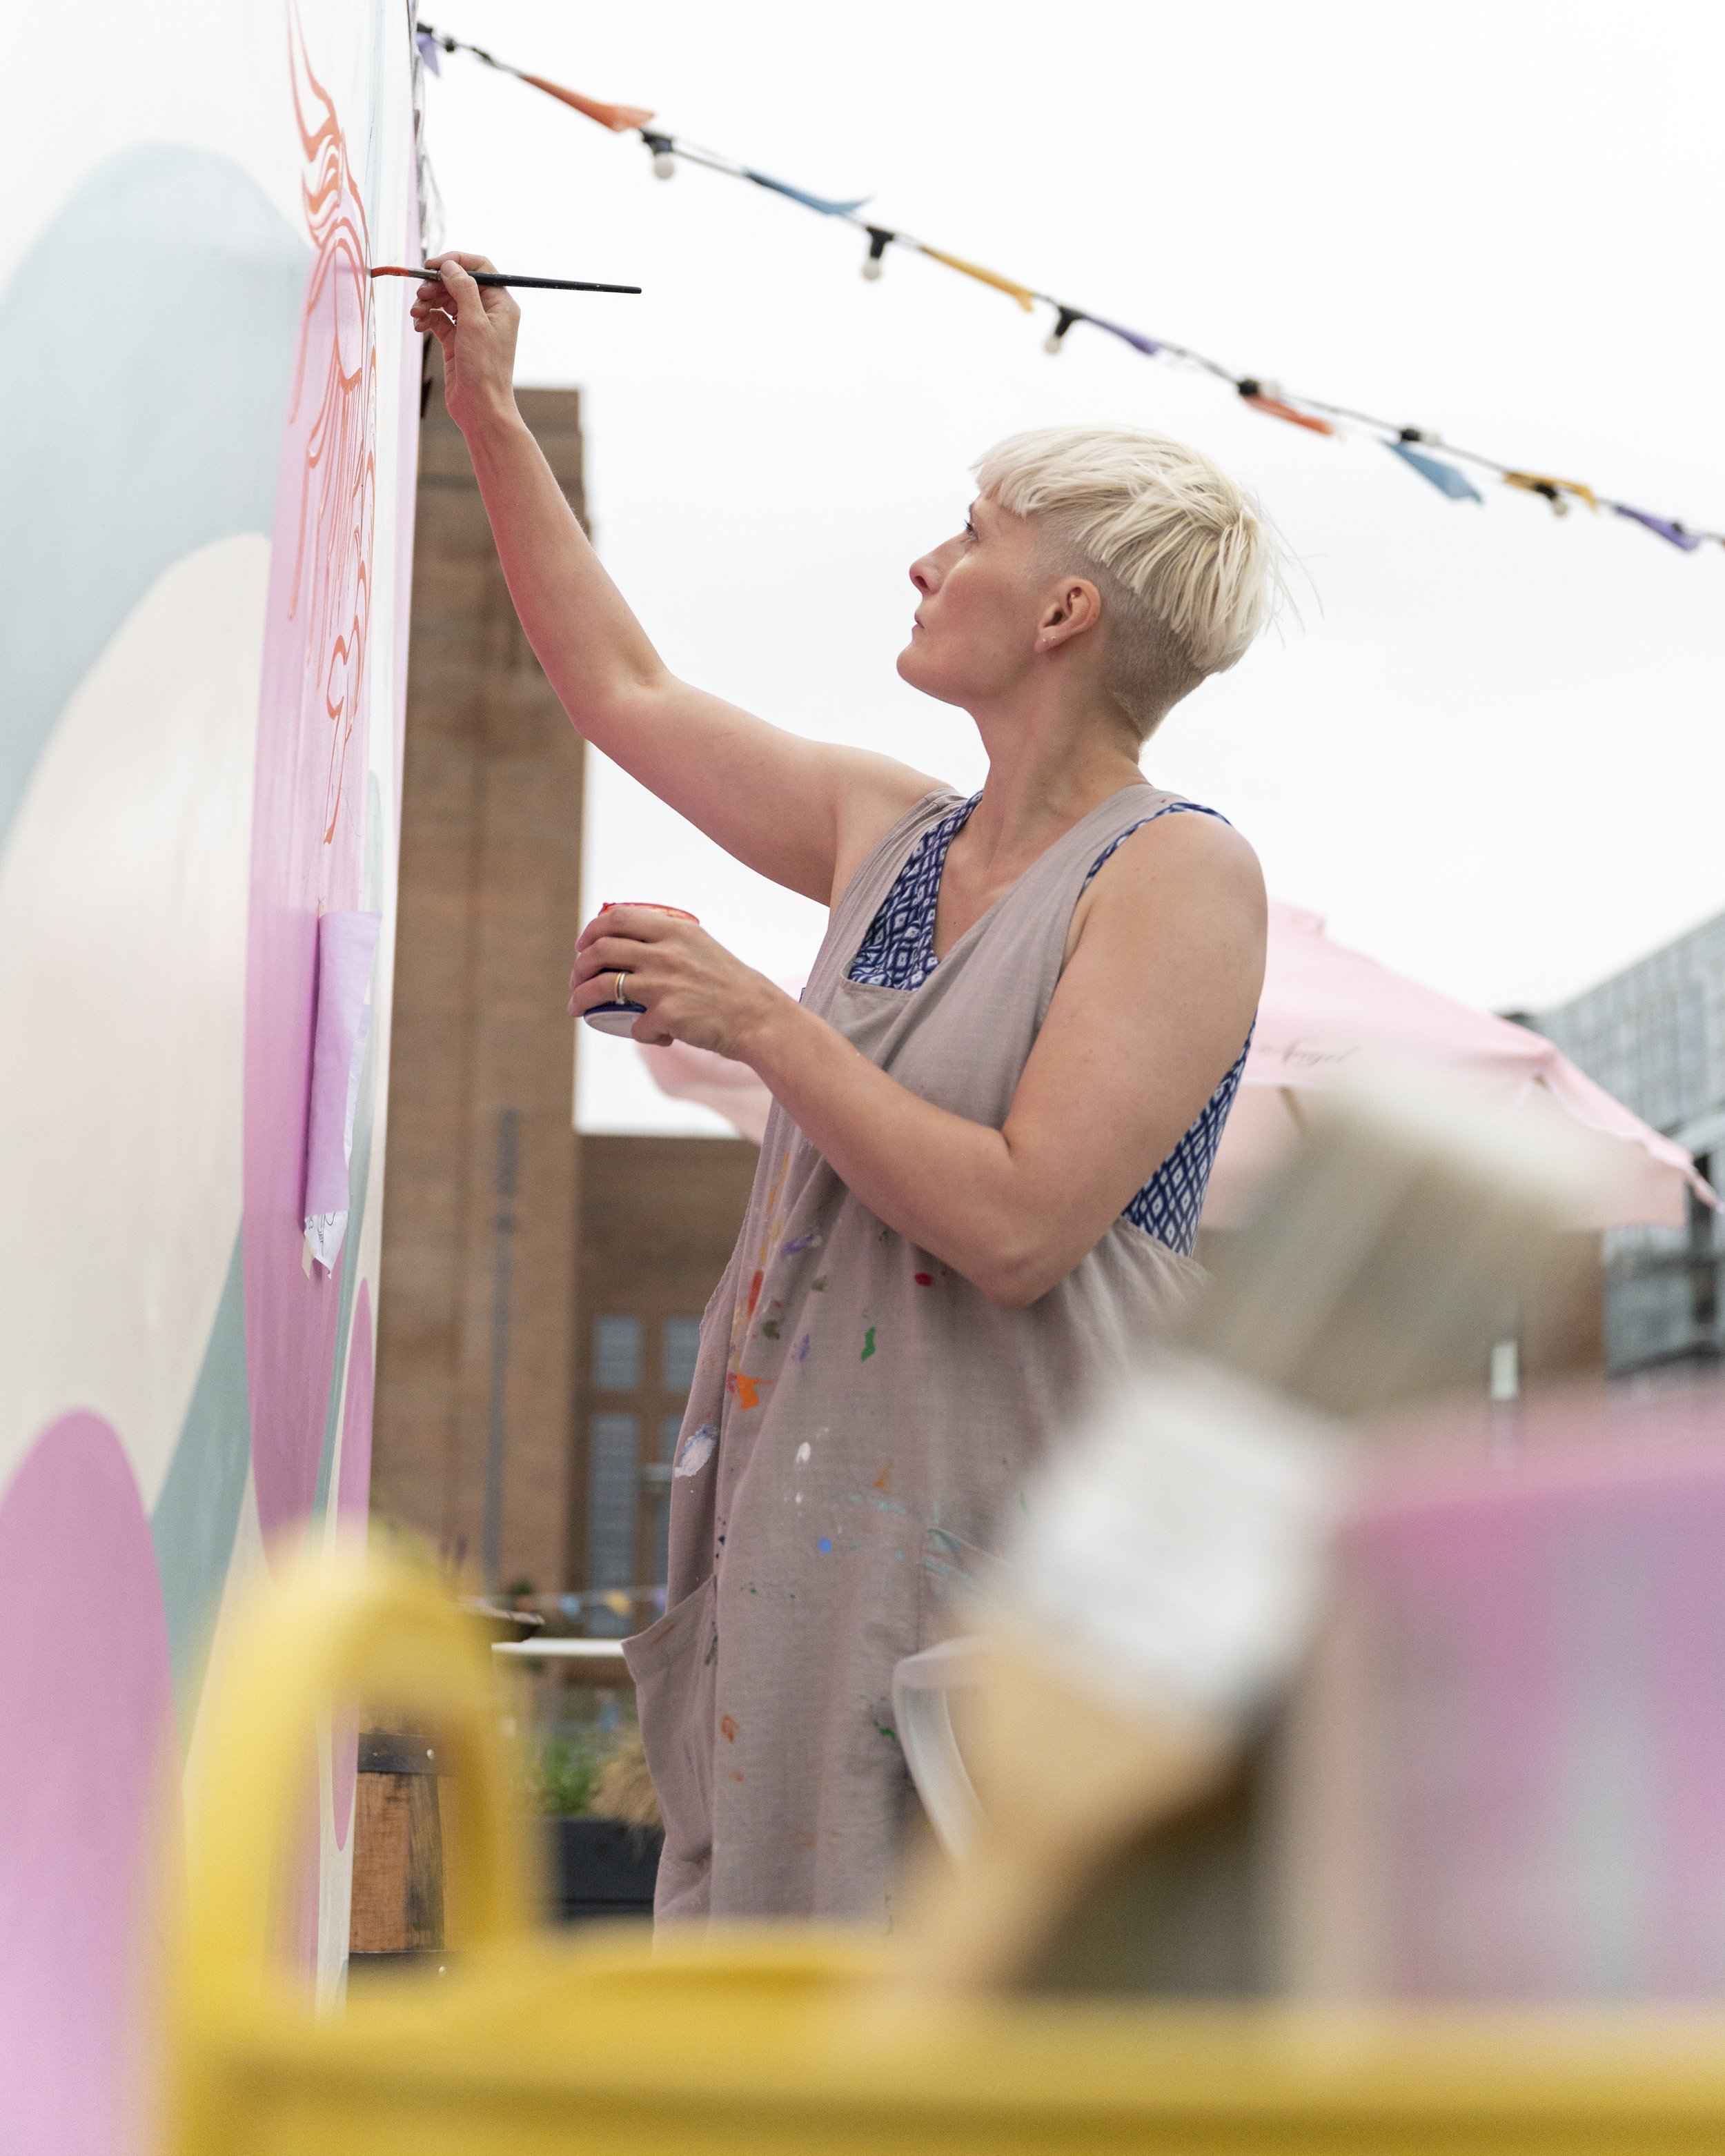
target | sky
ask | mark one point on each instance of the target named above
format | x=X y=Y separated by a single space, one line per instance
x=1487 y=749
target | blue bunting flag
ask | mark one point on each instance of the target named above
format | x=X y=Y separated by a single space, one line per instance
x=1443 y=477
x=809 y=202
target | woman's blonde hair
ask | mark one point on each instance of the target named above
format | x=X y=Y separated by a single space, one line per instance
x=1187 y=568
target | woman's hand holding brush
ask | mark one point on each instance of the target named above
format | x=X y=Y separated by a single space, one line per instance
x=476 y=325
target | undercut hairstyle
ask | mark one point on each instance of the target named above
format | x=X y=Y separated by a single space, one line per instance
x=1187 y=566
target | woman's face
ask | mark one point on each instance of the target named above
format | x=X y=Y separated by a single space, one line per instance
x=974 y=636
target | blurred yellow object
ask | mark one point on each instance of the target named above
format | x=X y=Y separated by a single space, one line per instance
x=769 y=2041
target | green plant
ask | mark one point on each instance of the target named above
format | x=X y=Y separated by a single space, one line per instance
x=561 y=1764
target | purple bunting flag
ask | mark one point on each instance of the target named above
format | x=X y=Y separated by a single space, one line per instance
x=428 y=52
x=1665 y=529
x=1136 y=338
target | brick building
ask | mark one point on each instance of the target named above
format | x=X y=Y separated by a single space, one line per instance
x=472 y=1441
x=539 y=1293
x=659 y=1216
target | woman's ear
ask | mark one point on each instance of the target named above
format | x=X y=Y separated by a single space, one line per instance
x=1076 y=607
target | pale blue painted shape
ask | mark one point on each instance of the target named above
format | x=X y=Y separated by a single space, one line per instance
x=145 y=345
x=197 y=1510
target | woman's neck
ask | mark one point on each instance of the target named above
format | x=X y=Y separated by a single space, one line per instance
x=1047 y=768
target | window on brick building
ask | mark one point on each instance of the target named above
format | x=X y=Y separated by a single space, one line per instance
x=617 y=1354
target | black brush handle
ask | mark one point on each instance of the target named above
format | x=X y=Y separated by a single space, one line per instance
x=498 y=277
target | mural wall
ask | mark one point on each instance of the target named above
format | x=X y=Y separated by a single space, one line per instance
x=205 y=498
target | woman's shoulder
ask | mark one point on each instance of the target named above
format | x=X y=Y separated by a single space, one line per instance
x=1174 y=829
x=1181 y=853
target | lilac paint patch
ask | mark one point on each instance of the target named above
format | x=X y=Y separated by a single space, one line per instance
x=346 y=943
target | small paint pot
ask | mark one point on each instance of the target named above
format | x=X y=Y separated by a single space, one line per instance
x=620 y=1017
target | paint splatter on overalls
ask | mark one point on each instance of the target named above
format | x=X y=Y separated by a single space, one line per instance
x=861 y=1419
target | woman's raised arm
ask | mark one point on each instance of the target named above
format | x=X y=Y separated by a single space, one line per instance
x=803 y=813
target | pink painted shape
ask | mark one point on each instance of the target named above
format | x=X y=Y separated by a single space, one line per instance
x=86 y=1734
x=353 y=1486
x=308 y=823
x=407 y=492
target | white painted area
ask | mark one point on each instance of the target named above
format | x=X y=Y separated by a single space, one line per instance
x=124 y=892
x=206 y=74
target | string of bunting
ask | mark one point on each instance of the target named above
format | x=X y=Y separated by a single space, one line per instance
x=1412 y=446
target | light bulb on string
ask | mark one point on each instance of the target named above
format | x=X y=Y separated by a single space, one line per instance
x=880 y=239
x=664 y=159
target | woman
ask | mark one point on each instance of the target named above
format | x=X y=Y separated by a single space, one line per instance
x=996 y=1103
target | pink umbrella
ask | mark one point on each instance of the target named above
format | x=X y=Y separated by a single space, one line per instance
x=1325 y=1009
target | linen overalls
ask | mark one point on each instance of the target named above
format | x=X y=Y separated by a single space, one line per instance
x=861 y=1422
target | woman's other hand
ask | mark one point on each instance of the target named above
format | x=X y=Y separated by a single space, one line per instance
x=476 y=324
x=693 y=989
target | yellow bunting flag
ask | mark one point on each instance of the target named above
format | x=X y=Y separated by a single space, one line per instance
x=1022 y=293
x=618 y=118
x=1553 y=489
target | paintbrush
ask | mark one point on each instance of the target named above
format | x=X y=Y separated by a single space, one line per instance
x=500 y=277
x=1168 y=1577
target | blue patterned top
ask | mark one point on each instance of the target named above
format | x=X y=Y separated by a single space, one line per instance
x=898 y=952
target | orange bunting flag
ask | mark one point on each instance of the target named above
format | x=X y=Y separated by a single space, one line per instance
x=1022 y=293
x=618 y=118
x=1556 y=491
x=1253 y=392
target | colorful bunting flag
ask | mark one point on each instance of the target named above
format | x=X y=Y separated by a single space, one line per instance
x=1556 y=491
x=1688 y=541
x=808 y=201
x=1253 y=394
x=620 y=119
x=1022 y=293
x=623 y=118
x=1443 y=477
x=1136 y=338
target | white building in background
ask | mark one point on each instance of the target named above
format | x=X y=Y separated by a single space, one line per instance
x=1654 y=1035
